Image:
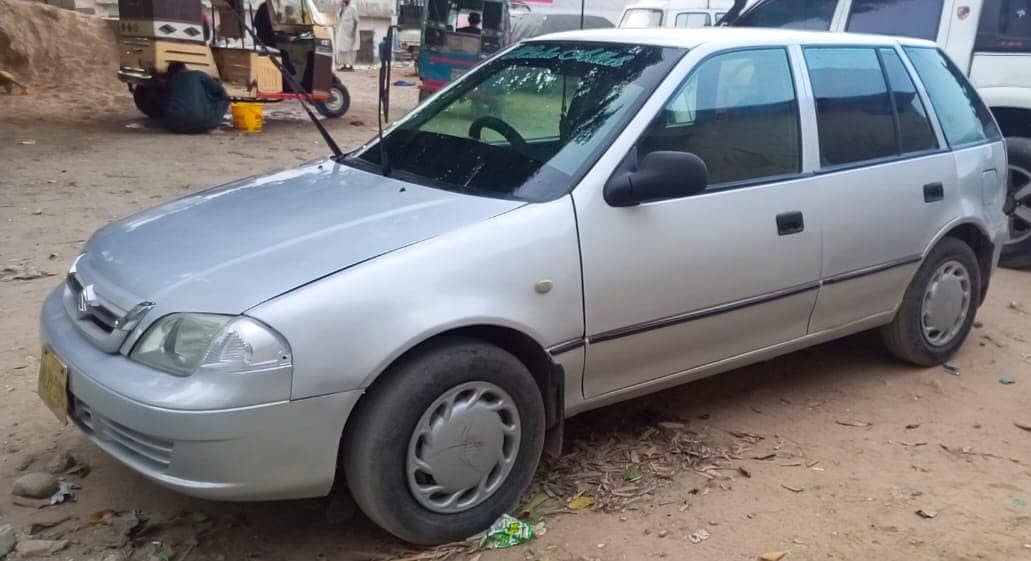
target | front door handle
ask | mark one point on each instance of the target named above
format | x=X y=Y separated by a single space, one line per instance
x=934 y=192
x=790 y=223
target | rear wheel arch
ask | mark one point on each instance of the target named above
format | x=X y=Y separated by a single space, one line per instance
x=978 y=240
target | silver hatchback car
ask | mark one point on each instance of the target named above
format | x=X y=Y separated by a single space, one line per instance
x=583 y=218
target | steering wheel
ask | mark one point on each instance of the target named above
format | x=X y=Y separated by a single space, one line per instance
x=504 y=129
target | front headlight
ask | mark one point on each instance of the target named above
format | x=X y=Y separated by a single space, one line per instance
x=183 y=344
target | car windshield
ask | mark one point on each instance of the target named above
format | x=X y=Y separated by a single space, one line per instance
x=525 y=125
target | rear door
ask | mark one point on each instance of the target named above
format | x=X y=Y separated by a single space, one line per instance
x=888 y=183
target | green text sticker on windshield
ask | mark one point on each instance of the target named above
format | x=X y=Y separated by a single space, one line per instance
x=598 y=56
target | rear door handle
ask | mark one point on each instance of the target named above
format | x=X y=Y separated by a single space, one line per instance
x=934 y=192
x=790 y=223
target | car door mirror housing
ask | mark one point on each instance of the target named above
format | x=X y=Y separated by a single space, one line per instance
x=660 y=175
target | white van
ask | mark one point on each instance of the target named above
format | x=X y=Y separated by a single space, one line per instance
x=674 y=13
x=990 y=40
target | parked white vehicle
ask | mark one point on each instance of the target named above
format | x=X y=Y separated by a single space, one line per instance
x=674 y=13
x=989 y=40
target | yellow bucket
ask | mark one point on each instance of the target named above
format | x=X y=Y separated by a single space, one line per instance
x=247 y=116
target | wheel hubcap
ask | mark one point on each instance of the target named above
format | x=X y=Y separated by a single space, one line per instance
x=335 y=101
x=946 y=303
x=1020 y=191
x=463 y=447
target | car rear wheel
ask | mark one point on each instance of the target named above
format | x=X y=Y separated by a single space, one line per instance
x=338 y=103
x=446 y=443
x=938 y=307
x=1016 y=252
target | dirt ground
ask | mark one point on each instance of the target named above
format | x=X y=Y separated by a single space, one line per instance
x=826 y=453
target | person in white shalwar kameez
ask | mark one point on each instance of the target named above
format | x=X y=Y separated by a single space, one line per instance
x=347 y=36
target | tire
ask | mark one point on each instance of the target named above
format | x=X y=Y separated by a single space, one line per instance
x=1016 y=253
x=338 y=103
x=380 y=440
x=906 y=336
x=150 y=99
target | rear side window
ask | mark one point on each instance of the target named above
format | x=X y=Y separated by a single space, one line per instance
x=910 y=18
x=790 y=14
x=691 y=19
x=915 y=131
x=639 y=18
x=737 y=112
x=964 y=118
x=853 y=109
x=1005 y=26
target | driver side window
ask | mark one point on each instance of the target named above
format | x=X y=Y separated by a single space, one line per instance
x=736 y=111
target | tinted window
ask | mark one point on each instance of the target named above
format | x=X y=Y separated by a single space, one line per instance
x=853 y=109
x=911 y=18
x=640 y=18
x=915 y=132
x=962 y=115
x=738 y=113
x=790 y=14
x=1005 y=26
x=525 y=124
x=691 y=19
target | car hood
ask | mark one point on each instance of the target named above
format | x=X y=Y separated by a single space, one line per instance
x=230 y=248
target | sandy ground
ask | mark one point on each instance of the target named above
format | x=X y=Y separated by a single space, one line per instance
x=831 y=451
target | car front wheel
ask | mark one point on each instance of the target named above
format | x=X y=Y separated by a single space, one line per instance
x=446 y=442
x=938 y=307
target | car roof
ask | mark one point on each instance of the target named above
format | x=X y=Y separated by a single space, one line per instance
x=728 y=36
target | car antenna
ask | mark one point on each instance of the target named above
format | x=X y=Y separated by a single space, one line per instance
x=305 y=95
x=383 y=97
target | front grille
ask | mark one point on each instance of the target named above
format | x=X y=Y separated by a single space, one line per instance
x=99 y=315
x=144 y=448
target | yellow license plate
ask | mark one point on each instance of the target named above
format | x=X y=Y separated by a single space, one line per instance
x=53 y=384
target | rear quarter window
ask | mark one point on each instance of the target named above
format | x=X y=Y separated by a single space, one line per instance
x=790 y=14
x=909 y=18
x=1005 y=25
x=964 y=118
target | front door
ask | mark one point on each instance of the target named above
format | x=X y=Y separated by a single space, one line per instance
x=678 y=284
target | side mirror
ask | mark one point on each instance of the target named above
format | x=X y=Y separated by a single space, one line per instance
x=660 y=175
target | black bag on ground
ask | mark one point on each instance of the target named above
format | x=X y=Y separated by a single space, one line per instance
x=196 y=102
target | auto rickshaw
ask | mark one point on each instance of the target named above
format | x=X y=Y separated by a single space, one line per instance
x=154 y=33
x=453 y=41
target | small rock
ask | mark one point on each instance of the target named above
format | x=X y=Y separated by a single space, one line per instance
x=927 y=514
x=35 y=486
x=117 y=556
x=773 y=555
x=1007 y=381
x=62 y=463
x=663 y=533
x=7 y=539
x=40 y=548
x=951 y=368
x=699 y=536
x=24 y=463
x=978 y=325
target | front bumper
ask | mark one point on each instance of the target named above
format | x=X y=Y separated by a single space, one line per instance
x=280 y=450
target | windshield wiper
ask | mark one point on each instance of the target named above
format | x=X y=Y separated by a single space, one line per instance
x=383 y=103
x=305 y=95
